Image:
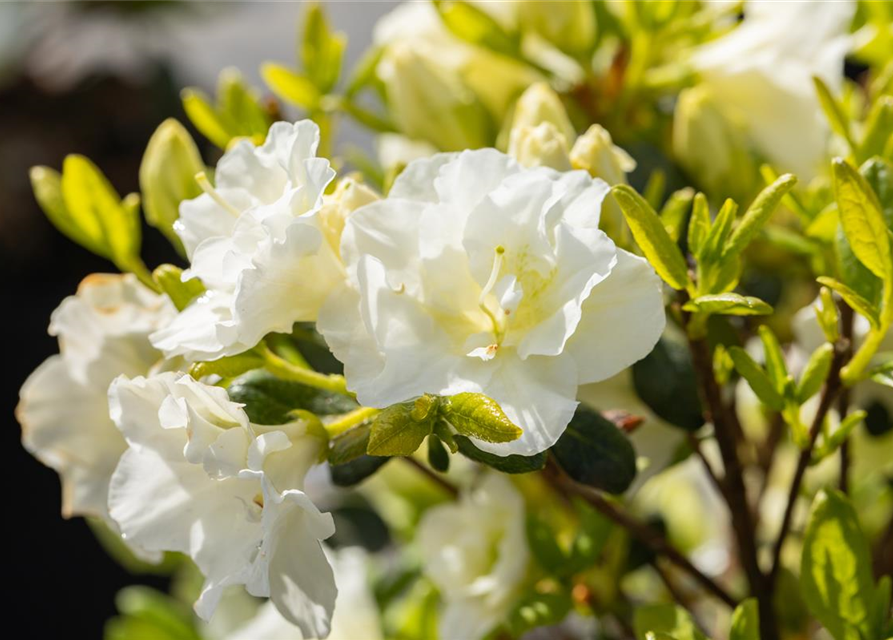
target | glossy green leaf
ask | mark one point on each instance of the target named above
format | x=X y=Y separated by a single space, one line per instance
x=730 y=304
x=715 y=242
x=699 y=224
x=835 y=571
x=477 y=416
x=170 y=281
x=774 y=358
x=349 y=445
x=665 y=381
x=856 y=302
x=862 y=220
x=758 y=214
x=438 y=457
x=291 y=86
x=762 y=386
x=746 y=621
x=396 y=432
x=269 y=400
x=815 y=372
x=506 y=464
x=594 y=452
x=665 y=619
x=652 y=237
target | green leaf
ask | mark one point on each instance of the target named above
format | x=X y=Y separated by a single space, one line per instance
x=477 y=416
x=835 y=571
x=836 y=439
x=665 y=619
x=47 y=186
x=833 y=112
x=774 y=357
x=853 y=273
x=355 y=471
x=167 y=177
x=815 y=372
x=699 y=225
x=856 y=302
x=592 y=536
x=715 y=242
x=881 y=620
x=538 y=610
x=438 y=457
x=322 y=50
x=205 y=117
x=746 y=621
x=97 y=209
x=652 y=237
x=241 y=106
x=290 y=86
x=544 y=546
x=862 y=219
x=268 y=400
x=675 y=210
x=594 y=452
x=729 y=304
x=227 y=367
x=363 y=73
x=170 y=281
x=349 y=445
x=474 y=25
x=758 y=214
x=878 y=128
x=762 y=386
x=397 y=432
x=665 y=381
x=148 y=614
x=506 y=464
x=878 y=173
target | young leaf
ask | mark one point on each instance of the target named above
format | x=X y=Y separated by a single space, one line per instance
x=290 y=85
x=474 y=25
x=862 y=219
x=205 y=117
x=774 y=357
x=758 y=213
x=715 y=241
x=675 y=210
x=477 y=416
x=395 y=432
x=228 y=367
x=856 y=302
x=538 y=610
x=506 y=464
x=167 y=177
x=729 y=304
x=438 y=457
x=349 y=445
x=815 y=372
x=170 y=281
x=836 y=439
x=665 y=619
x=746 y=621
x=699 y=225
x=594 y=452
x=322 y=49
x=665 y=381
x=544 y=546
x=762 y=386
x=835 y=571
x=652 y=237
x=878 y=128
x=47 y=186
x=269 y=400
x=833 y=112
x=240 y=105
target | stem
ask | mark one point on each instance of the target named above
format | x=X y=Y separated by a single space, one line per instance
x=832 y=386
x=439 y=480
x=350 y=420
x=708 y=467
x=287 y=371
x=639 y=530
x=843 y=403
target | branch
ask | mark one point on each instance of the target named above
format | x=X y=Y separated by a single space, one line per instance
x=439 y=480
x=832 y=387
x=639 y=530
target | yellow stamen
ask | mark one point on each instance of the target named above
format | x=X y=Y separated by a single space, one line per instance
x=488 y=288
x=206 y=186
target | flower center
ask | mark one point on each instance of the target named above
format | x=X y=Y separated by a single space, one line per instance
x=497 y=323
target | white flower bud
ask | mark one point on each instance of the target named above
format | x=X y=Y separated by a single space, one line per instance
x=596 y=153
x=538 y=104
x=540 y=146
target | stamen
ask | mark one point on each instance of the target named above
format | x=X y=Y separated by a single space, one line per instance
x=488 y=288
x=205 y=184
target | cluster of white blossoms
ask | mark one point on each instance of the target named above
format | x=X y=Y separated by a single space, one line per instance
x=474 y=274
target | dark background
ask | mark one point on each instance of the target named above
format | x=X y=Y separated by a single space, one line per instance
x=61 y=581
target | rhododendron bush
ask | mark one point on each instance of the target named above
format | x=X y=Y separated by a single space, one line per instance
x=596 y=343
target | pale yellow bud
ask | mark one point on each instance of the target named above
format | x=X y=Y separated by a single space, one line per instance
x=348 y=196
x=540 y=146
x=596 y=153
x=538 y=104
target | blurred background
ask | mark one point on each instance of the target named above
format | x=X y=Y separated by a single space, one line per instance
x=96 y=78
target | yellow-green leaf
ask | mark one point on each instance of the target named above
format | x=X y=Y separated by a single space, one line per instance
x=856 y=302
x=757 y=379
x=206 y=118
x=715 y=241
x=833 y=112
x=675 y=210
x=815 y=372
x=170 y=280
x=758 y=213
x=862 y=220
x=746 y=621
x=652 y=237
x=774 y=356
x=699 y=225
x=396 y=433
x=478 y=416
x=47 y=186
x=290 y=85
x=729 y=304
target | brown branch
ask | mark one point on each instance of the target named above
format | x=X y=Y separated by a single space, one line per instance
x=843 y=403
x=708 y=467
x=437 y=479
x=639 y=530
x=829 y=392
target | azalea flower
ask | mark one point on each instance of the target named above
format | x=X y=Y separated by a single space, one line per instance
x=258 y=244
x=356 y=613
x=761 y=73
x=103 y=331
x=475 y=552
x=198 y=478
x=477 y=275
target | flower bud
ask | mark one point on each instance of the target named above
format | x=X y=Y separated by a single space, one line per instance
x=538 y=104
x=596 y=153
x=430 y=102
x=710 y=144
x=348 y=196
x=539 y=146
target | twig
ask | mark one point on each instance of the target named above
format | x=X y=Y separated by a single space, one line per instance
x=439 y=480
x=843 y=403
x=829 y=392
x=639 y=530
x=708 y=467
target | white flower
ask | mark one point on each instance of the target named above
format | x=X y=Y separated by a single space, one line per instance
x=257 y=244
x=199 y=479
x=762 y=73
x=103 y=331
x=479 y=275
x=475 y=552
x=356 y=613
